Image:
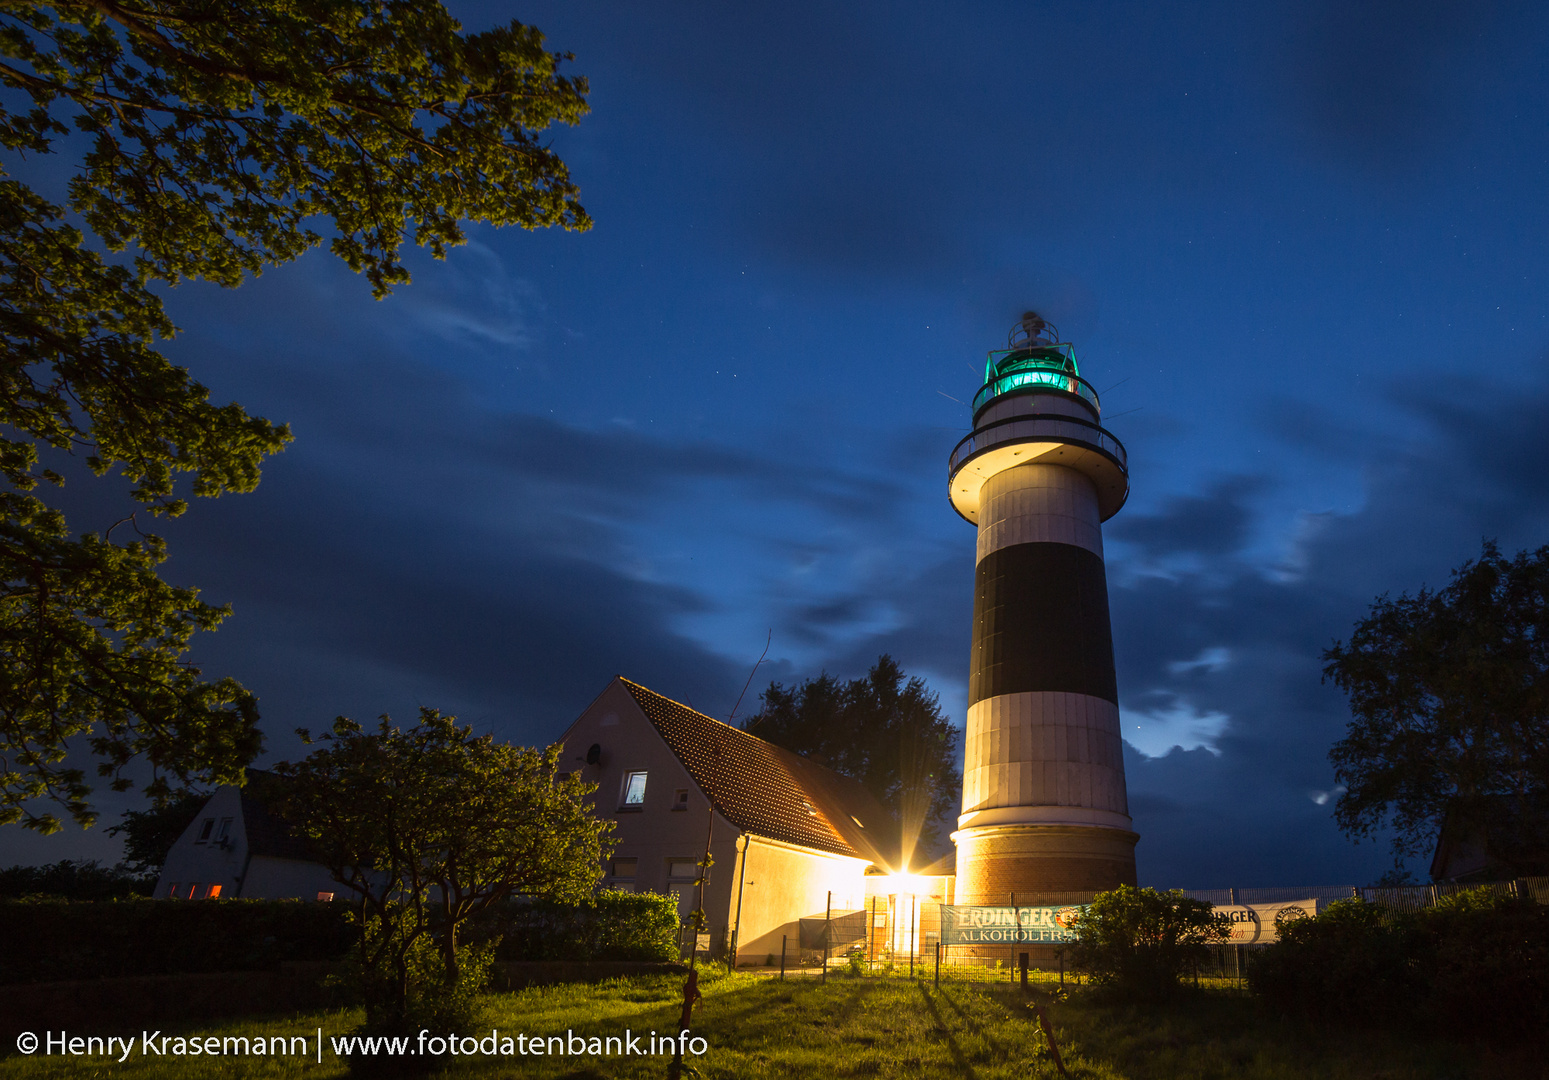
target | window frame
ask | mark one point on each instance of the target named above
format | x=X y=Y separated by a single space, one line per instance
x=624 y=790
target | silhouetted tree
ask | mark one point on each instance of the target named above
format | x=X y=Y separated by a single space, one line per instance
x=1449 y=695
x=885 y=731
x=150 y=833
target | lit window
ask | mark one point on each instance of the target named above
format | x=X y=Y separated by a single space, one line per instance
x=680 y=799
x=325 y=896
x=634 y=789
x=193 y=890
x=625 y=867
x=172 y=890
x=205 y=830
x=213 y=892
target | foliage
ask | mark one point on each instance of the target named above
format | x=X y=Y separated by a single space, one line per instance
x=429 y=827
x=1350 y=964
x=48 y=940
x=607 y=925
x=150 y=833
x=1449 y=696
x=67 y=880
x=889 y=734
x=1137 y=943
x=217 y=139
x=1476 y=963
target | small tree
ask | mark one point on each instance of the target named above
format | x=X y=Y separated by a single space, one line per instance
x=1138 y=942
x=429 y=826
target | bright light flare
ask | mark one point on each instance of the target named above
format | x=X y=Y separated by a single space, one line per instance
x=908 y=884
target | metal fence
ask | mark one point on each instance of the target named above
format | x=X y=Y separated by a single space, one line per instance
x=905 y=938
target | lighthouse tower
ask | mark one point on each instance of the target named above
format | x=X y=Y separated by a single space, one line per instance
x=1044 y=803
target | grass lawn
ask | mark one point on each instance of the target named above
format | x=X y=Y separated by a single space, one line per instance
x=756 y=1026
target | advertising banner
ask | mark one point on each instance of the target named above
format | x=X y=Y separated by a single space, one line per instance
x=1252 y=924
x=1259 y=924
x=1007 y=925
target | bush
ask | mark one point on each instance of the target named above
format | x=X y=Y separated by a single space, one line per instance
x=1350 y=964
x=1475 y=965
x=49 y=940
x=1137 y=943
x=422 y=996
x=1487 y=960
x=608 y=925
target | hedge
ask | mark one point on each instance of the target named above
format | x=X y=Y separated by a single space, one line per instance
x=1475 y=965
x=609 y=925
x=48 y=941
x=52 y=940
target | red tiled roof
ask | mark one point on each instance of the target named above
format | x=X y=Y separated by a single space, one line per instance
x=766 y=790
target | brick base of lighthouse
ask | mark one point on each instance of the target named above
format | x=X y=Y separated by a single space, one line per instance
x=997 y=860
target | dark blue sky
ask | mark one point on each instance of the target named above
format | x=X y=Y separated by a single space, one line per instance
x=1301 y=246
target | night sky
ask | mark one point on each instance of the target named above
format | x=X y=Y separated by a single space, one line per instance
x=1300 y=247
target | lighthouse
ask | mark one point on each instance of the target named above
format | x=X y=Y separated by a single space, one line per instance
x=1044 y=801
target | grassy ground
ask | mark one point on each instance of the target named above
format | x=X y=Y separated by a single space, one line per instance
x=756 y=1026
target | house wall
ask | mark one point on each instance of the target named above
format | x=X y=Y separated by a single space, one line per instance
x=657 y=834
x=783 y=883
x=192 y=861
x=269 y=878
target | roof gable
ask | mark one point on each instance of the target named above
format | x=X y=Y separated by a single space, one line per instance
x=766 y=790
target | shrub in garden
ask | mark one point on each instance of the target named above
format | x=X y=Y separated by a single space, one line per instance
x=1353 y=963
x=1485 y=962
x=608 y=925
x=1137 y=943
x=1476 y=965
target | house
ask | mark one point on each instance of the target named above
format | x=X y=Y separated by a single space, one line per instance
x=236 y=847
x=1503 y=837
x=788 y=838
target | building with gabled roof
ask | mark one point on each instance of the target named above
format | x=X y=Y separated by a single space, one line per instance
x=237 y=847
x=789 y=839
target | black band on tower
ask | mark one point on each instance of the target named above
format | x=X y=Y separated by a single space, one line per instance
x=1041 y=623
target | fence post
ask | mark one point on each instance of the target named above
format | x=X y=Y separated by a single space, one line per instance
x=828 y=934
x=914 y=925
x=871 y=939
x=782 y=956
x=1022 y=963
x=938 y=965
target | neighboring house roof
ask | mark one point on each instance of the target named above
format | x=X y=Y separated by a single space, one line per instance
x=267 y=833
x=1501 y=836
x=766 y=790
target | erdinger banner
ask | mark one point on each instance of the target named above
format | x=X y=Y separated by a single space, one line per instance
x=1259 y=924
x=1008 y=925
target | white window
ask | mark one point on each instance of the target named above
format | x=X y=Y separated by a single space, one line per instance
x=225 y=830
x=683 y=868
x=634 y=789
x=205 y=830
x=680 y=799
